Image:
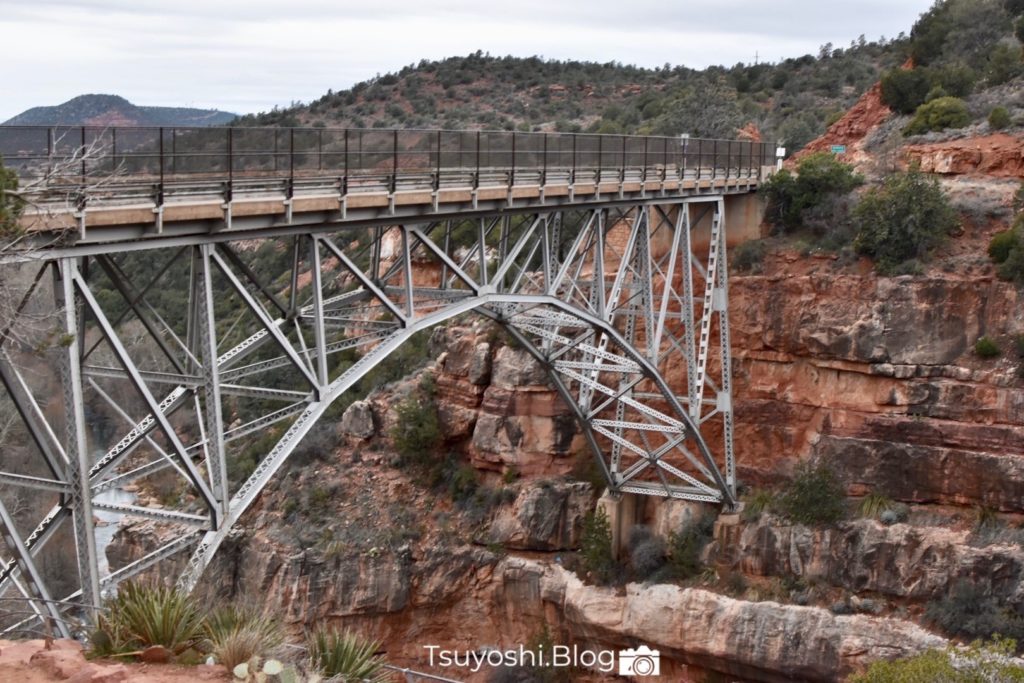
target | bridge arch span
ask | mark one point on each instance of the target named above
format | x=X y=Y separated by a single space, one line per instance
x=249 y=290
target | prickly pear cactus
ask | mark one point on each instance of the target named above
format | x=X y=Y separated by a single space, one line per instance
x=259 y=670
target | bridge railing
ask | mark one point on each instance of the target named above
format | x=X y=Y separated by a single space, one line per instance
x=366 y=159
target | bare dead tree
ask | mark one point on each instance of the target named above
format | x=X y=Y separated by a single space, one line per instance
x=29 y=209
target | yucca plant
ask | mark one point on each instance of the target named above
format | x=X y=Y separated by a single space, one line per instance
x=141 y=616
x=237 y=634
x=874 y=504
x=756 y=504
x=346 y=655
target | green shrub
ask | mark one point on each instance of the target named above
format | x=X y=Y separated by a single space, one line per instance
x=1000 y=245
x=417 y=432
x=999 y=118
x=818 y=178
x=596 y=546
x=747 y=257
x=979 y=662
x=685 y=548
x=237 y=634
x=938 y=114
x=646 y=552
x=756 y=504
x=1003 y=64
x=986 y=348
x=141 y=616
x=1007 y=251
x=969 y=612
x=346 y=655
x=957 y=80
x=814 y=496
x=1013 y=267
x=11 y=205
x=904 y=219
x=985 y=518
x=904 y=90
x=935 y=93
x=874 y=504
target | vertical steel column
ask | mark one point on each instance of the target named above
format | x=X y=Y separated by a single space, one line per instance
x=689 y=337
x=407 y=266
x=318 y=312
x=512 y=173
x=394 y=162
x=544 y=164
x=76 y=444
x=207 y=333
x=724 y=399
x=476 y=174
x=482 y=242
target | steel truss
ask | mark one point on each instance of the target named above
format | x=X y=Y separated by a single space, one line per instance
x=613 y=300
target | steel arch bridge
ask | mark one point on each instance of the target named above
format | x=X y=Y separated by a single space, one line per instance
x=603 y=256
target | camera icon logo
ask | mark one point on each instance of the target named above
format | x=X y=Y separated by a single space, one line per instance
x=642 y=661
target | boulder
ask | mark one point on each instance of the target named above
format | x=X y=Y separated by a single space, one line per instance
x=357 y=420
x=545 y=516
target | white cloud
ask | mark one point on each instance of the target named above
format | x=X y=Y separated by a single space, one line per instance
x=252 y=55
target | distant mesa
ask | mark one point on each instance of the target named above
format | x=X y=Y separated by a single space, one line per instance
x=112 y=110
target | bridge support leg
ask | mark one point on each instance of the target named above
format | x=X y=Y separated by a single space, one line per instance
x=76 y=444
x=621 y=511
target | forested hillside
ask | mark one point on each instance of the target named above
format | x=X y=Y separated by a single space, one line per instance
x=961 y=46
x=792 y=101
x=112 y=110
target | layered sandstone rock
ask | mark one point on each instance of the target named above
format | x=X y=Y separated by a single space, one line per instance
x=498 y=398
x=465 y=598
x=544 y=516
x=762 y=641
x=899 y=561
x=1000 y=156
x=878 y=375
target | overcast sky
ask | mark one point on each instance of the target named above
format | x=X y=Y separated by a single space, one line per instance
x=250 y=55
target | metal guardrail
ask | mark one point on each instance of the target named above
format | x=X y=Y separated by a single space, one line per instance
x=412 y=676
x=363 y=159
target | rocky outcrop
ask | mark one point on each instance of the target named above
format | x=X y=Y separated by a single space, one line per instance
x=898 y=561
x=852 y=128
x=357 y=420
x=497 y=398
x=545 y=516
x=762 y=641
x=1000 y=156
x=464 y=598
x=925 y=473
x=878 y=375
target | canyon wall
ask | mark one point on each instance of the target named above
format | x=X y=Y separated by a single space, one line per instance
x=878 y=376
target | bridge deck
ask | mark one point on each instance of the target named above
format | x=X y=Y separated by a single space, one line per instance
x=124 y=185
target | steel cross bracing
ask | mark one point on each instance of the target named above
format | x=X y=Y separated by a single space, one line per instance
x=196 y=370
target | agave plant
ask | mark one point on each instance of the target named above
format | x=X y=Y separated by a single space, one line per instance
x=238 y=634
x=141 y=616
x=346 y=655
x=874 y=504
